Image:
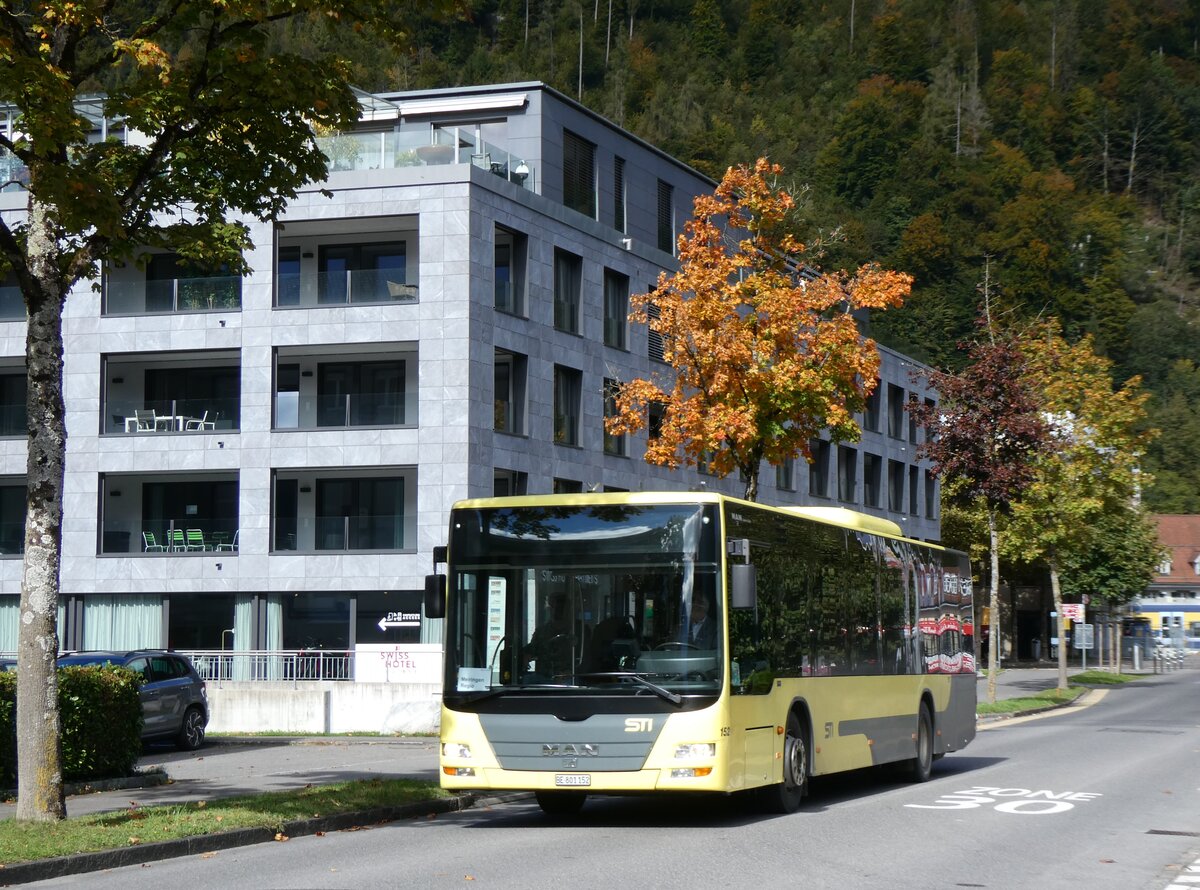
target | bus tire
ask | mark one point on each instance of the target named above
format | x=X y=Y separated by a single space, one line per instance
x=561 y=803
x=921 y=766
x=786 y=796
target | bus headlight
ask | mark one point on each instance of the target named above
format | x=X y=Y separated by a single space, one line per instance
x=696 y=751
x=456 y=751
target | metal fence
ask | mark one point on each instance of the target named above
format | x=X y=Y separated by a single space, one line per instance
x=215 y=665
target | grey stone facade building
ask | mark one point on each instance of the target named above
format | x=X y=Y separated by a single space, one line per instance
x=266 y=462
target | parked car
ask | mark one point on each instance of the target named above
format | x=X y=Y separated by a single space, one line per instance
x=174 y=698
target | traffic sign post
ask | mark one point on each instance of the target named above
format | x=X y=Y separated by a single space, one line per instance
x=1084 y=640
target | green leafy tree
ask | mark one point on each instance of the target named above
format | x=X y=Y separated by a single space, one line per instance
x=228 y=126
x=1118 y=561
x=983 y=436
x=1090 y=467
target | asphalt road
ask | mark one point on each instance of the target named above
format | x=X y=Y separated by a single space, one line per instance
x=1098 y=797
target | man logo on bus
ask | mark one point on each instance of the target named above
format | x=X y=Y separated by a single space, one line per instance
x=570 y=750
x=639 y=724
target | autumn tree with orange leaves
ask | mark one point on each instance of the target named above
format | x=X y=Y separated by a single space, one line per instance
x=766 y=350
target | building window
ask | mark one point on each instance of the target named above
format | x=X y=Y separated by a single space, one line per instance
x=619 y=194
x=785 y=476
x=895 y=486
x=360 y=393
x=930 y=496
x=579 y=174
x=568 y=281
x=872 y=479
x=656 y=345
x=509 y=396
x=612 y=444
x=818 y=470
x=656 y=415
x=287 y=276
x=871 y=411
x=895 y=411
x=912 y=491
x=509 y=271
x=847 y=474
x=507 y=483
x=567 y=486
x=567 y=391
x=12 y=518
x=1164 y=567
x=616 y=308
x=912 y=418
x=666 y=218
x=704 y=462
x=929 y=404
x=363 y=273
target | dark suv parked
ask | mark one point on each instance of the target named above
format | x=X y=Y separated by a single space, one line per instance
x=174 y=699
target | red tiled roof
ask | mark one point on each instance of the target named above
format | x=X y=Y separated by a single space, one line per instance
x=1180 y=534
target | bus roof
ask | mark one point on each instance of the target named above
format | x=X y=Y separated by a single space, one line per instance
x=838 y=516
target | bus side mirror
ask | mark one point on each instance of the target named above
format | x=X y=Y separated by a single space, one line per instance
x=743 y=586
x=435 y=596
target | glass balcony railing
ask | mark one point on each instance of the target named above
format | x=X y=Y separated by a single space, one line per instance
x=12 y=303
x=217 y=293
x=343 y=411
x=14 y=419
x=353 y=286
x=159 y=537
x=172 y=416
x=343 y=533
x=411 y=148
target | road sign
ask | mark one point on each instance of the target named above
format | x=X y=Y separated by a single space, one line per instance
x=1073 y=611
x=1084 y=637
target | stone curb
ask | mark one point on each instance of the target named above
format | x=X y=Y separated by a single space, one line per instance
x=43 y=869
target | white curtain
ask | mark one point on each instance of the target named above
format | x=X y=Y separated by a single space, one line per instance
x=10 y=610
x=274 y=636
x=122 y=622
x=243 y=639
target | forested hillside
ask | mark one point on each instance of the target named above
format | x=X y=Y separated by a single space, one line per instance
x=1053 y=143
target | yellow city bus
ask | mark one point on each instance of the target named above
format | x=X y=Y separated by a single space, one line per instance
x=692 y=642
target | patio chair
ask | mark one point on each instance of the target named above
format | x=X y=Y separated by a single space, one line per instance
x=150 y=544
x=199 y=423
x=230 y=545
x=195 y=540
x=178 y=541
x=145 y=419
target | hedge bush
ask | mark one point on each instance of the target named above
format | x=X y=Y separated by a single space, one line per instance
x=101 y=719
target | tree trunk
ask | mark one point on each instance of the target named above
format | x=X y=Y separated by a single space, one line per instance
x=994 y=606
x=1056 y=588
x=39 y=756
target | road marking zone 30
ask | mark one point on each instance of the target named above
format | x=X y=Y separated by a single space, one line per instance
x=1019 y=801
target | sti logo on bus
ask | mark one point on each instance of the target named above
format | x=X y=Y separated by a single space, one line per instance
x=639 y=724
x=570 y=750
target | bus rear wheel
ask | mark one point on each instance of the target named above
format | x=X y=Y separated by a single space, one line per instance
x=561 y=803
x=786 y=796
x=921 y=766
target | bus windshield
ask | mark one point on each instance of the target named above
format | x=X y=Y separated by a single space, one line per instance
x=595 y=600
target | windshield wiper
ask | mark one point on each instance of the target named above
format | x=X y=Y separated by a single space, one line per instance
x=667 y=694
x=505 y=690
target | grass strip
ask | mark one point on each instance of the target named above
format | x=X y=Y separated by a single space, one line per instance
x=1032 y=702
x=1102 y=678
x=23 y=841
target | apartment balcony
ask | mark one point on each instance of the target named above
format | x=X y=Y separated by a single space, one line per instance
x=338 y=510
x=351 y=262
x=418 y=146
x=367 y=385
x=163 y=393
x=167 y=286
x=169 y=514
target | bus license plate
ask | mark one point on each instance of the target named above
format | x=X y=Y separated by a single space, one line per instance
x=572 y=780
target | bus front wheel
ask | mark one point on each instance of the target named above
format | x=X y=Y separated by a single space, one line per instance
x=786 y=796
x=561 y=803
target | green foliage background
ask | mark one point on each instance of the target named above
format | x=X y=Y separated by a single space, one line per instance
x=101 y=723
x=1057 y=140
